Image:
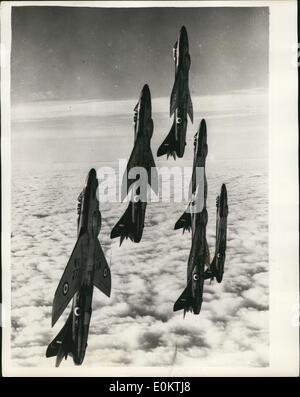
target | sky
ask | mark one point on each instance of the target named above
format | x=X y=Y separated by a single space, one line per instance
x=75 y=53
x=61 y=58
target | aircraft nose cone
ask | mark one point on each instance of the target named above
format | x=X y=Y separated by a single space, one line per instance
x=223 y=201
x=145 y=98
x=203 y=131
x=224 y=192
x=92 y=174
x=183 y=30
x=183 y=34
x=201 y=139
x=146 y=91
x=78 y=360
x=203 y=125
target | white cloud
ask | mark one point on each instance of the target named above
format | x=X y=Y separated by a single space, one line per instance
x=137 y=326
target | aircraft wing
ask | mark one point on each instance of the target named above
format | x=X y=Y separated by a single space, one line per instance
x=174 y=99
x=152 y=173
x=137 y=160
x=70 y=281
x=190 y=107
x=185 y=221
x=102 y=276
x=134 y=161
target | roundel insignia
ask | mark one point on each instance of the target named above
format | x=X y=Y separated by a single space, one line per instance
x=77 y=311
x=65 y=288
x=105 y=272
x=195 y=276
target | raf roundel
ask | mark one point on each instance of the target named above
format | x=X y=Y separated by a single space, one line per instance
x=196 y=277
x=105 y=272
x=65 y=288
x=77 y=311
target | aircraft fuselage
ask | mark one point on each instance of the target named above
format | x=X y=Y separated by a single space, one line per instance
x=198 y=253
x=182 y=66
x=89 y=222
x=221 y=235
x=143 y=130
x=140 y=172
x=196 y=262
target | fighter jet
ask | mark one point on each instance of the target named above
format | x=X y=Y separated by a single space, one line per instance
x=87 y=267
x=131 y=224
x=180 y=102
x=195 y=218
x=216 y=268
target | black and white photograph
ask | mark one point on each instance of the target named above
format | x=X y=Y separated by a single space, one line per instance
x=149 y=198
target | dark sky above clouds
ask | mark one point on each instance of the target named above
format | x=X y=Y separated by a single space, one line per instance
x=86 y=53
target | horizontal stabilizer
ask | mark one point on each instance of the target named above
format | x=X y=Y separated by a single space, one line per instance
x=185 y=301
x=63 y=344
x=102 y=275
x=184 y=222
x=168 y=146
x=127 y=227
x=122 y=226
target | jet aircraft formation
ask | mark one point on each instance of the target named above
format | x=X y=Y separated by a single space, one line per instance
x=88 y=267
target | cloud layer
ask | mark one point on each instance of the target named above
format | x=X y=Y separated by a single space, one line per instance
x=136 y=326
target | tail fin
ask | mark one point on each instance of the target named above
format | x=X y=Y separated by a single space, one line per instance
x=63 y=344
x=128 y=226
x=168 y=146
x=185 y=301
x=137 y=159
